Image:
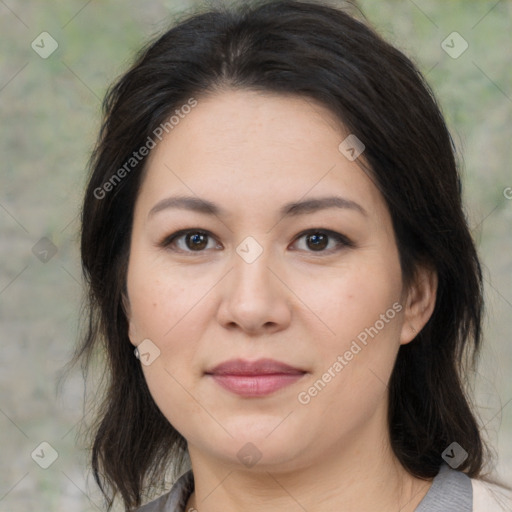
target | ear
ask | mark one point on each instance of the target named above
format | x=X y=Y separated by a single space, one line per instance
x=419 y=303
x=132 y=333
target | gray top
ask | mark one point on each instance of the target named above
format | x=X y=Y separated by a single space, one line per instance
x=451 y=491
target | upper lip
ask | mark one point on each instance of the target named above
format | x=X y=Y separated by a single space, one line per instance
x=258 y=367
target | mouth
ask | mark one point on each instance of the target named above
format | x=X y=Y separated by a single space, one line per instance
x=254 y=378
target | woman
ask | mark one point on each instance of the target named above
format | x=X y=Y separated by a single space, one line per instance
x=281 y=274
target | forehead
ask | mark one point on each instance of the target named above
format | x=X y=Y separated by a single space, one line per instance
x=256 y=148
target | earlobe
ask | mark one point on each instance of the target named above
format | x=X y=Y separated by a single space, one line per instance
x=131 y=332
x=420 y=303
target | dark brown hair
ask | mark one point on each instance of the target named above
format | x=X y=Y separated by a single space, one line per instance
x=324 y=54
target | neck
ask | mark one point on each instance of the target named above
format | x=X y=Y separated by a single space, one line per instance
x=358 y=475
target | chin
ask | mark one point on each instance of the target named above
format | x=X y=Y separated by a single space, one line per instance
x=253 y=447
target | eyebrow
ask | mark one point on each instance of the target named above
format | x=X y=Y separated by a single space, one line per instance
x=198 y=205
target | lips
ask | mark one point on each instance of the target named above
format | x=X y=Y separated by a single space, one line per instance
x=259 y=367
x=254 y=378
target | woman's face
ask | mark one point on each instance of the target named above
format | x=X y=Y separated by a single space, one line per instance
x=258 y=286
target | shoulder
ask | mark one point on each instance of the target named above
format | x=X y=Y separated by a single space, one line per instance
x=454 y=490
x=174 y=500
x=490 y=497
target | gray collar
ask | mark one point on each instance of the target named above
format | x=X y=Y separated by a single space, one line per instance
x=451 y=491
x=176 y=499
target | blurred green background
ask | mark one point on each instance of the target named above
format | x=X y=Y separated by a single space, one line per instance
x=50 y=110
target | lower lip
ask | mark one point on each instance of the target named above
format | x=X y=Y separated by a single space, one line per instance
x=256 y=385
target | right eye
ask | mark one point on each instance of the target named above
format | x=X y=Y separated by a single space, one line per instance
x=188 y=241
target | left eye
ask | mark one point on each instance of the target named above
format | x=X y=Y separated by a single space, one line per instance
x=317 y=240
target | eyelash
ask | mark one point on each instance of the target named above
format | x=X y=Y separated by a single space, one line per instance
x=341 y=240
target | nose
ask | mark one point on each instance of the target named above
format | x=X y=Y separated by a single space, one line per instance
x=255 y=298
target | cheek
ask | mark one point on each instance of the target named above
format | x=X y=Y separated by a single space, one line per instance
x=160 y=299
x=166 y=311
x=362 y=307
x=171 y=309
x=352 y=300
